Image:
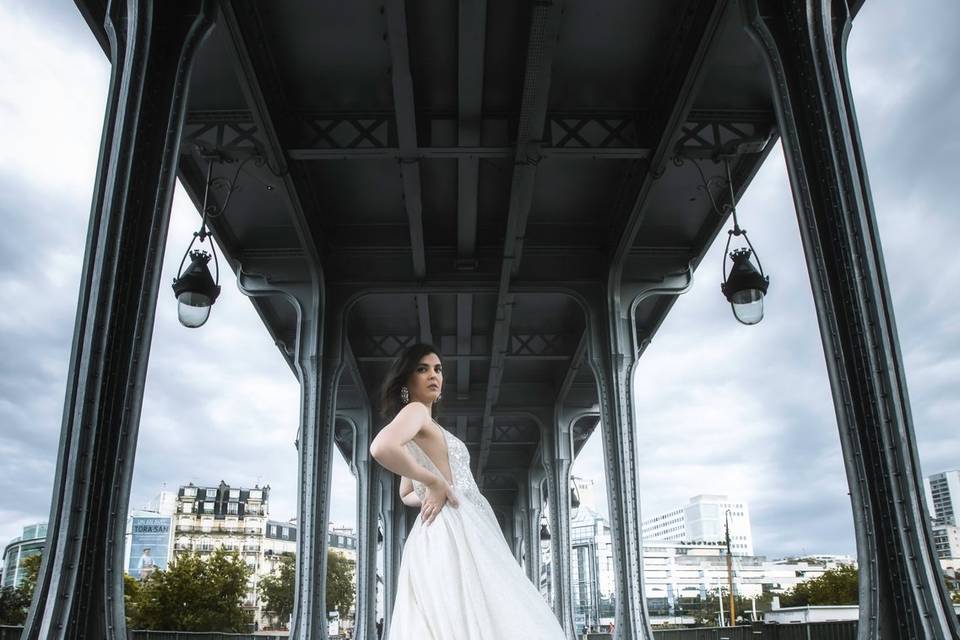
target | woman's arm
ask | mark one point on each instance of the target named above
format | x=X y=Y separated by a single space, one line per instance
x=407 y=494
x=388 y=448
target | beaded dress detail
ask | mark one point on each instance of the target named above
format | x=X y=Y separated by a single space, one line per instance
x=463 y=480
x=458 y=578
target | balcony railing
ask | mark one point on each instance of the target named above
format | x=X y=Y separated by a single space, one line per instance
x=759 y=631
x=219 y=527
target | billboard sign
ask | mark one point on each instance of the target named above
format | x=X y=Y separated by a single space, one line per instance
x=149 y=545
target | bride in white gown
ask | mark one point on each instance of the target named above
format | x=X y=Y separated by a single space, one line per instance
x=458 y=578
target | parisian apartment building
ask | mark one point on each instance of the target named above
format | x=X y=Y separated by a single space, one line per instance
x=203 y=518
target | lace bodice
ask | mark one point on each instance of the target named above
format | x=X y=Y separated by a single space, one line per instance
x=463 y=483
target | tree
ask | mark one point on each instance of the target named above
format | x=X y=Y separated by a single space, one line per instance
x=340 y=590
x=277 y=589
x=14 y=601
x=835 y=586
x=31 y=569
x=192 y=594
x=13 y=606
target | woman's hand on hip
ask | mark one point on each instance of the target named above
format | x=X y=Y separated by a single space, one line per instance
x=439 y=492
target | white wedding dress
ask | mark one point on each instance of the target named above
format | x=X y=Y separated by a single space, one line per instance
x=458 y=579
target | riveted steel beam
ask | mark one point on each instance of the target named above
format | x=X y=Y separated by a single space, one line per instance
x=403 y=105
x=675 y=94
x=541 y=45
x=611 y=351
x=902 y=593
x=464 y=340
x=152 y=47
x=472 y=27
x=270 y=118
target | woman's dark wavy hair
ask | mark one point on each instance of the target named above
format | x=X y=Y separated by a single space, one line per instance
x=400 y=371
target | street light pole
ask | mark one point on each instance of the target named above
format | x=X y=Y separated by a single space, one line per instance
x=720 y=600
x=726 y=528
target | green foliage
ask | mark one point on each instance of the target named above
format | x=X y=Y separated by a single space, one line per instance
x=13 y=606
x=340 y=589
x=14 y=602
x=836 y=586
x=31 y=569
x=192 y=594
x=277 y=589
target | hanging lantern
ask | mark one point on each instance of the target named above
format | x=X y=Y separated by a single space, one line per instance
x=745 y=288
x=196 y=291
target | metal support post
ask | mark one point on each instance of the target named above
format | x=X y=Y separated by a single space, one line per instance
x=152 y=47
x=558 y=450
x=902 y=594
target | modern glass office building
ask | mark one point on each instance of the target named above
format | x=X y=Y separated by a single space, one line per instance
x=30 y=543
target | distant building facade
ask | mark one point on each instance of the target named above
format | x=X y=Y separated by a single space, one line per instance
x=703 y=519
x=946 y=540
x=342 y=541
x=225 y=517
x=943 y=496
x=943 y=502
x=592 y=575
x=688 y=568
x=29 y=543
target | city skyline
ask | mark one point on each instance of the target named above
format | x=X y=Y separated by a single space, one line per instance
x=747 y=409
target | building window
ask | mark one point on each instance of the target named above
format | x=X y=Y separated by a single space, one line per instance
x=234 y=494
x=286 y=532
x=211 y=494
x=232 y=508
x=190 y=492
x=208 y=507
x=255 y=494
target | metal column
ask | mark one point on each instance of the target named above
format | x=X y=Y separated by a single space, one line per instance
x=558 y=454
x=612 y=358
x=534 y=511
x=902 y=594
x=368 y=509
x=79 y=592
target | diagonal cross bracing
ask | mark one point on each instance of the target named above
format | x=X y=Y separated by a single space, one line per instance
x=544 y=28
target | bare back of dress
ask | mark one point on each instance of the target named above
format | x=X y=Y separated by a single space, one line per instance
x=463 y=481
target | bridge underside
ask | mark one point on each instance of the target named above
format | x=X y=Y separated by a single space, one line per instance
x=520 y=184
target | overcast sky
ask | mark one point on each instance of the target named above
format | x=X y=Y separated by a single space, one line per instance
x=723 y=408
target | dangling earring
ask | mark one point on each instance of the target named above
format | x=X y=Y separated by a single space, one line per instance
x=439 y=395
x=404 y=395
